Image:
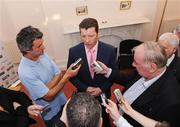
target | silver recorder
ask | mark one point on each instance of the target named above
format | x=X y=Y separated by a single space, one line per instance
x=97 y=68
x=118 y=94
x=104 y=99
x=77 y=63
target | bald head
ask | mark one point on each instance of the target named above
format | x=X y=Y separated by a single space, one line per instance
x=177 y=31
x=170 y=38
x=169 y=42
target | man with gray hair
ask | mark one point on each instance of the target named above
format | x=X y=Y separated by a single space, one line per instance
x=170 y=43
x=177 y=32
x=156 y=92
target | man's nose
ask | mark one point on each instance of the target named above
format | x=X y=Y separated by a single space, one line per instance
x=87 y=39
x=43 y=47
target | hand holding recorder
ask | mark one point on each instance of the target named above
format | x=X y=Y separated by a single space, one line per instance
x=97 y=68
x=112 y=110
x=73 y=69
x=34 y=110
x=119 y=97
x=77 y=63
x=103 y=68
x=125 y=106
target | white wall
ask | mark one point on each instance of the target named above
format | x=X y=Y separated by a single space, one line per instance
x=51 y=15
x=171 y=16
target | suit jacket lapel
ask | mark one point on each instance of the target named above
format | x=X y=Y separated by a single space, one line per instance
x=99 y=54
x=86 y=65
x=152 y=92
x=173 y=64
x=99 y=51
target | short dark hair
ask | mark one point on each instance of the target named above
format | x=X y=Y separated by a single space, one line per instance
x=25 y=38
x=83 y=110
x=88 y=23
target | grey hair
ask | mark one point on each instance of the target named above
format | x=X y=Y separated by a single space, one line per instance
x=25 y=38
x=177 y=29
x=170 y=38
x=154 y=53
x=83 y=110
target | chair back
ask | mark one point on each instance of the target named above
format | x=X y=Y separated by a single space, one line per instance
x=125 y=57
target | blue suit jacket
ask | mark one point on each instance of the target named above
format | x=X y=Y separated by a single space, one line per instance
x=106 y=54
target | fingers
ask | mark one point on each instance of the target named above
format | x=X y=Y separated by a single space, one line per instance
x=72 y=65
x=35 y=110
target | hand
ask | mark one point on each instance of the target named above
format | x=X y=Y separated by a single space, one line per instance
x=104 y=67
x=94 y=91
x=113 y=111
x=1 y=109
x=71 y=73
x=16 y=105
x=34 y=110
x=125 y=106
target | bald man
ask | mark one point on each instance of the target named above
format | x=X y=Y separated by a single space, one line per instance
x=170 y=43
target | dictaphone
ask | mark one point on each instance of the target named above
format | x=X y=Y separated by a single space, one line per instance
x=118 y=94
x=97 y=68
x=45 y=107
x=77 y=63
x=104 y=99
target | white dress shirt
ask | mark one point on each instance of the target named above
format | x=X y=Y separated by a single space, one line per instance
x=170 y=60
x=139 y=87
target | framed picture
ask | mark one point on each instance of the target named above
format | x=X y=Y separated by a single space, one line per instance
x=125 y=5
x=81 y=10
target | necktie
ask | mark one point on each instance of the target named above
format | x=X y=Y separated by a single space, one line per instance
x=91 y=62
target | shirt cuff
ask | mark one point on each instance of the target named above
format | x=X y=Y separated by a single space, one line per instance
x=122 y=122
x=109 y=70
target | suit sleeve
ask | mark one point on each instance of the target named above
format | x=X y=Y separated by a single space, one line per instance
x=13 y=115
x=19 y=97
x=7 y=117
x=75 y=80
x=171 y=115
x=112 y=64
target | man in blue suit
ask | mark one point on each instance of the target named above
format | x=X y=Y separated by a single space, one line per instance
x=91 y=50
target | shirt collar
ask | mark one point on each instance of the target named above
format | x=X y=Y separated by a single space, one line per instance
x=148 y=83
x=31 y=62
x=93 y=48
x=170 y=60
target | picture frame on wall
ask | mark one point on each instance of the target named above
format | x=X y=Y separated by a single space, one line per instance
x=81 y=10
x=125 y=5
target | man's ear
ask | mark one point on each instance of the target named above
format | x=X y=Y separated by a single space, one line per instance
x=174 y=49
x=100 y=122
x=153 y=67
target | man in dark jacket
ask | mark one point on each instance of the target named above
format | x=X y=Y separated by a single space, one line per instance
x=156 y=92
x=15 y=108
